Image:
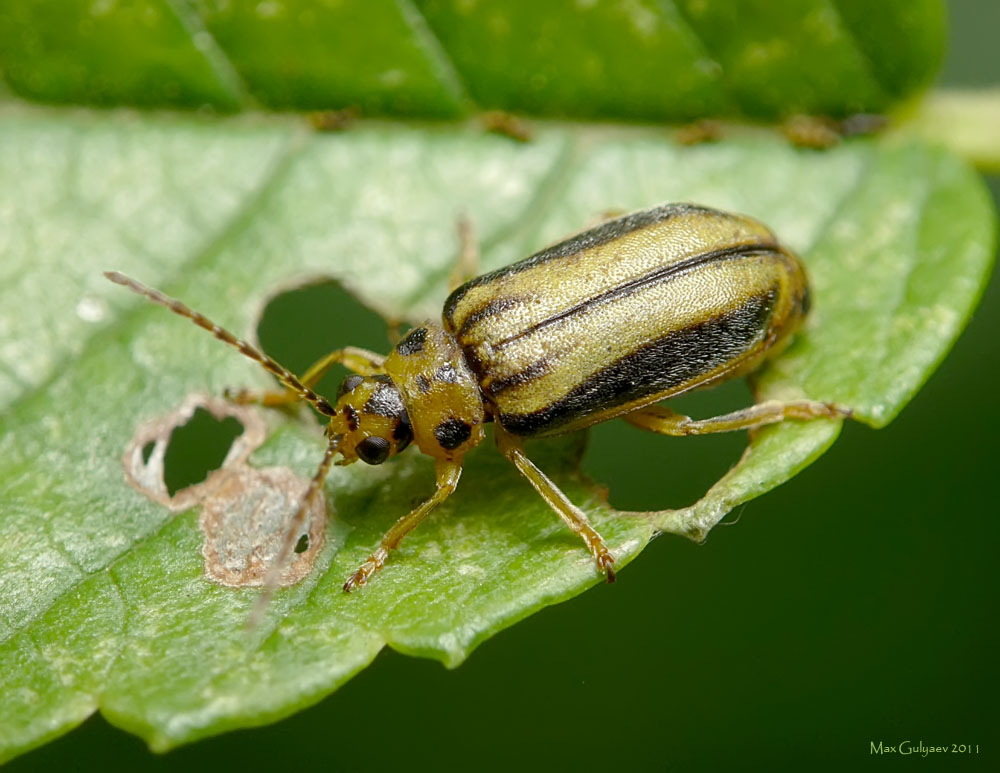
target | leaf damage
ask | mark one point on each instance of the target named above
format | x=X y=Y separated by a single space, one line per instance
x=245 y=511
x=244 y=522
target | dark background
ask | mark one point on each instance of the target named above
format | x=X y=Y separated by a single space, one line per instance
x=857 y=603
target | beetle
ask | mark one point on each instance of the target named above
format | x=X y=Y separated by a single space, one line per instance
x=604 y=324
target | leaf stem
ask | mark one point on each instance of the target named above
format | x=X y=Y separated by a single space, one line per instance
x=964 y=120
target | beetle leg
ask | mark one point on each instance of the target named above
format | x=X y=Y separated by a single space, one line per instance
x=447 y=479
x=467 y=265
x=573 y=516
x=658 y=418
x=360 y=361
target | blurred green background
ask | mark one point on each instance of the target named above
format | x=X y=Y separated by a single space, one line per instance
x=857 y=603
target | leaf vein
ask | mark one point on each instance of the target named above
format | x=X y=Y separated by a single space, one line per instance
x=440 y=59
x=862 y=56
x=204 y=42
x=724 y=82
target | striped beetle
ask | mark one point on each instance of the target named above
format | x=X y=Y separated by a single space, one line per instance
x=604 y=324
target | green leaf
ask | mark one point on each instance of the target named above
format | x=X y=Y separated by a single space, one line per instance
x=645 y=60
x=103 y=599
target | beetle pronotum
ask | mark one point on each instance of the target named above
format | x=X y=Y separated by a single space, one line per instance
x=604 y=324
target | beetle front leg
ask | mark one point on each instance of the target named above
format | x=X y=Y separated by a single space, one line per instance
x=660 y=419
x=360 y=361
x=573 y=516
x=447 y=474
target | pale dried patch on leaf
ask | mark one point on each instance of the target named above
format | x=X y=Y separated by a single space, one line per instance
x=245 y=511
x=245 y=520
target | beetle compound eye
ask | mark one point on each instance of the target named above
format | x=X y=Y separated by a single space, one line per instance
x=373 y=449
x=349 y=384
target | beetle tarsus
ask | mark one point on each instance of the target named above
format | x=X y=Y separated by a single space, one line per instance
x=356 y=580
x=360 y=577
x=375 y=562
x=604 y=566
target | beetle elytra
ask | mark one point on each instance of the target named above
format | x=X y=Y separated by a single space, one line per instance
x=602 y=325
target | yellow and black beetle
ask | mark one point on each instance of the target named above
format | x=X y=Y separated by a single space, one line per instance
x=604 y=324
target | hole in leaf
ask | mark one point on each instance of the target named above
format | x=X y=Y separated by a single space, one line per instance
x=147 y=451
x=301 y=325
x=197 y=449
x=646 y=471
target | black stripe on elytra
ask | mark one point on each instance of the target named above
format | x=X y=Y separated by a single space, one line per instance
x=474 y=361
x=668 y=362
x=489 y=309
x=593 y=237
x=805 y=300
x=413 y=343
x=533 y=371
x=634 y=285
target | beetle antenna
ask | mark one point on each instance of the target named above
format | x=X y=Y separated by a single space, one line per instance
x=284 y=375
x=293 y=534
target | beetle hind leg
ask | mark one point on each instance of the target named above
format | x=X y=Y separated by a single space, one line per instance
x=572 y=515
x=662 y=420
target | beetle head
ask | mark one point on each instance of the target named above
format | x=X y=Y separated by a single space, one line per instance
x=371 y=419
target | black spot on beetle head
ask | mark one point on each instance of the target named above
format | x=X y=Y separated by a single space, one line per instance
x=402 y=433
x=351 y=417
x=451 y=433
x=413 y=343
